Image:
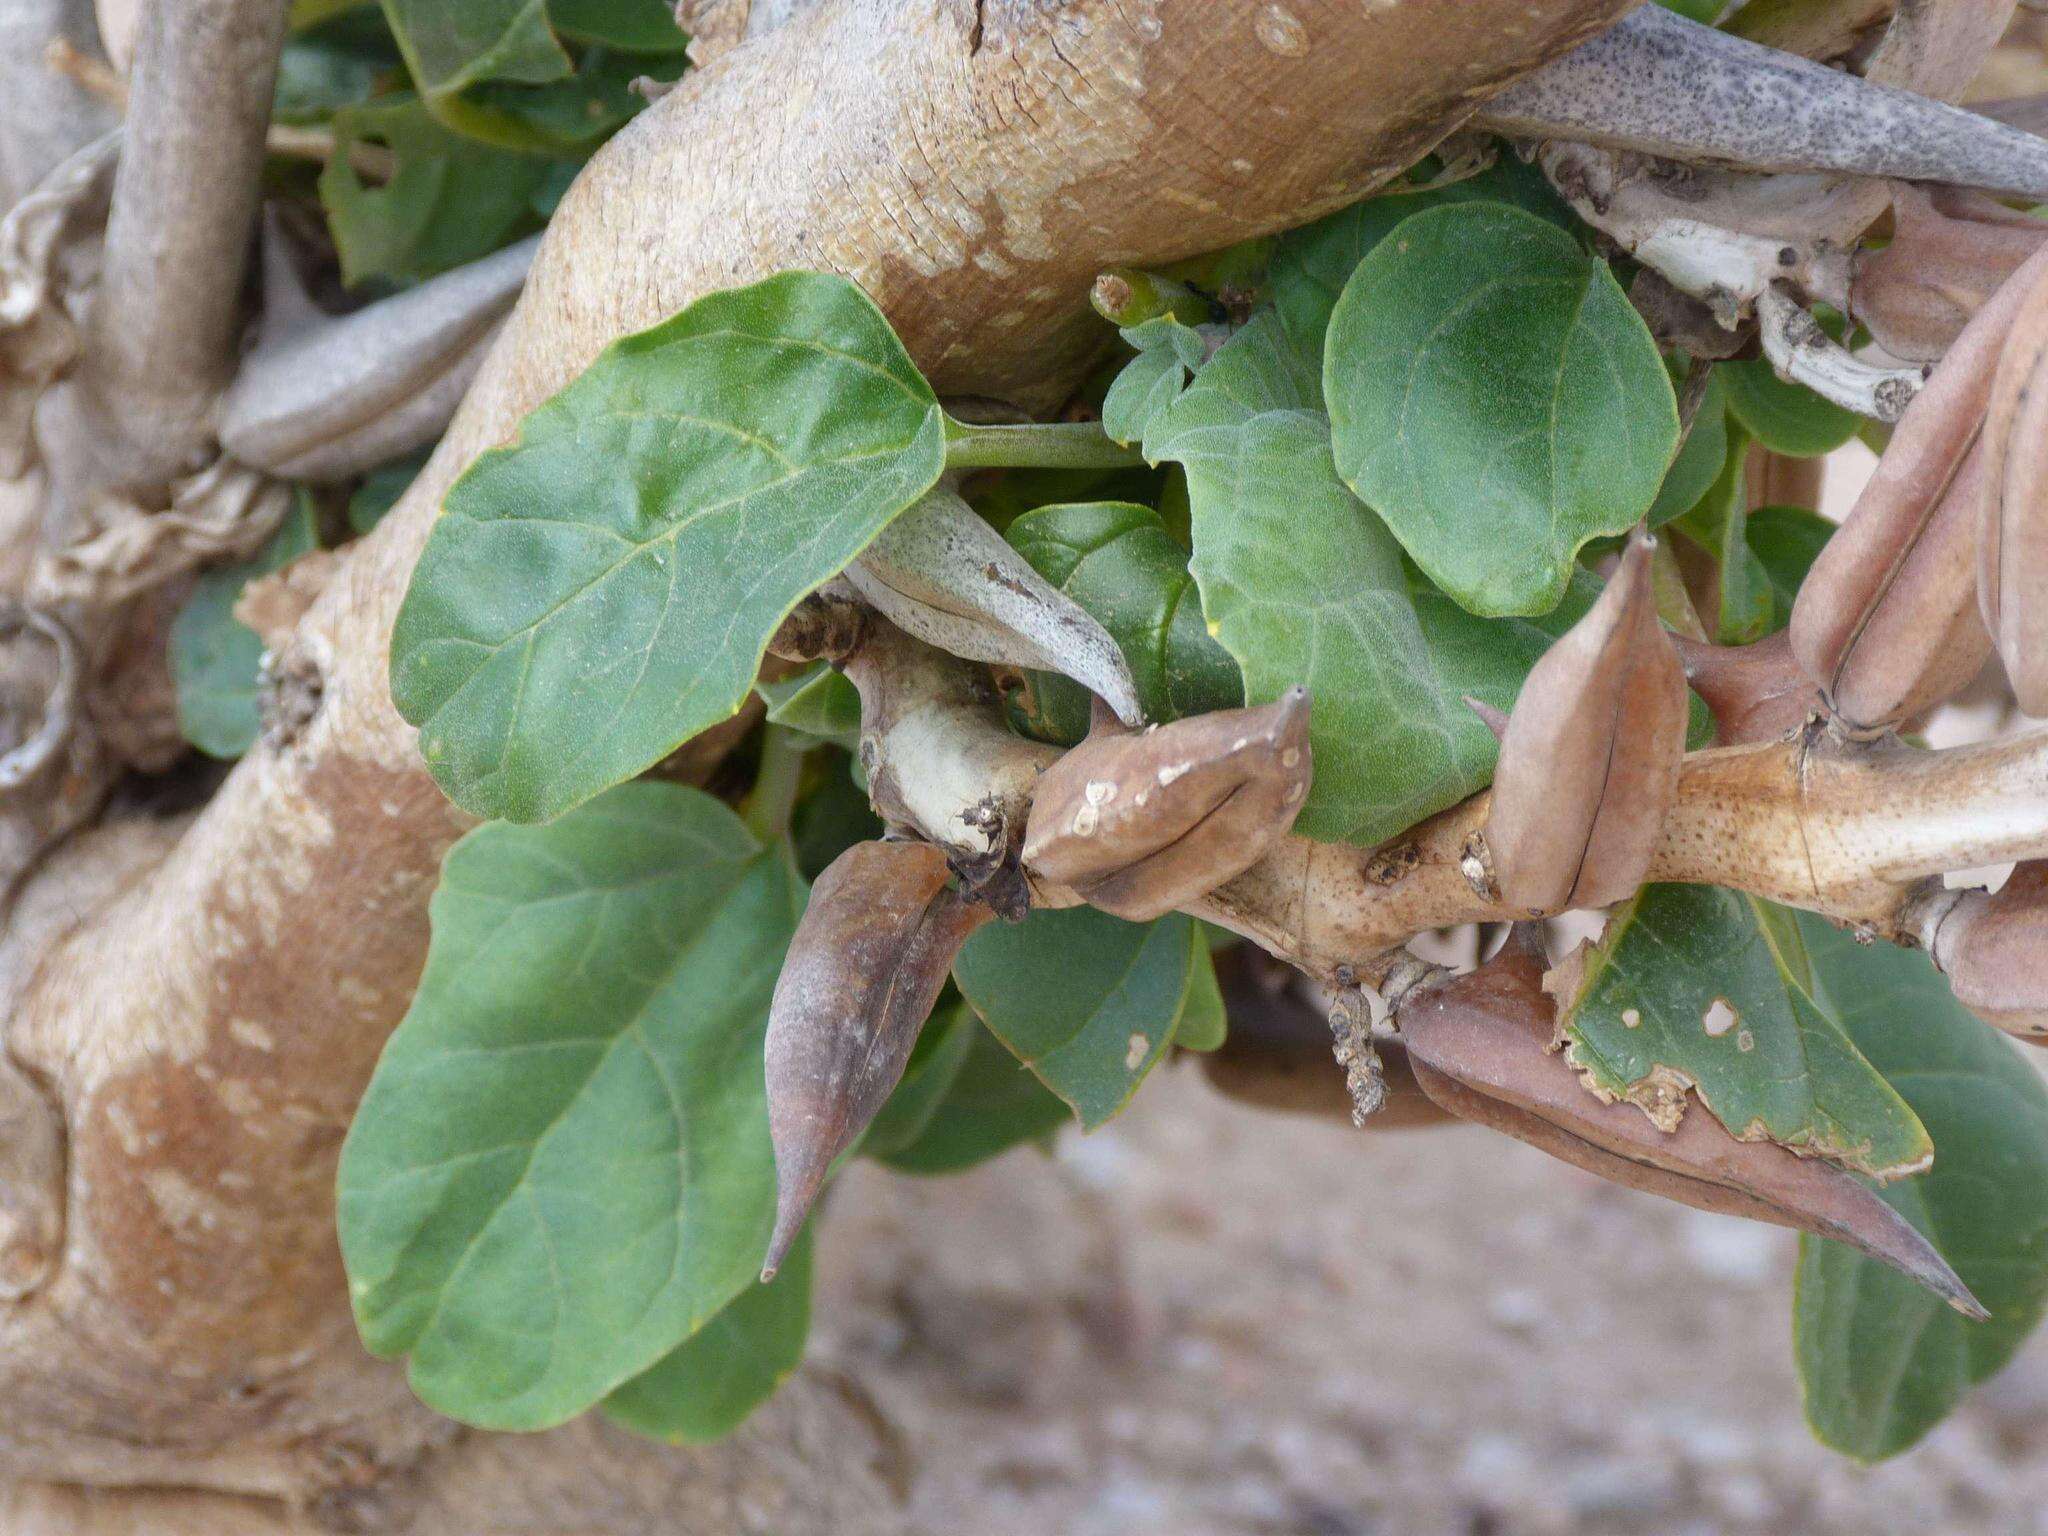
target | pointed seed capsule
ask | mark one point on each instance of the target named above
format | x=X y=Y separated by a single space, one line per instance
x=863 y=970
x=1950 y=252
x=1755 y=692
x=2012 y=573
x=1480 y=1046
x=1993 y=946
x=1143 y=822
x=1589 y=761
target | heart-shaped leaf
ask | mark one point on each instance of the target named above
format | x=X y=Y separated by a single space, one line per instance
x=597 y=594
x=561 y=1168
x=1494 y=397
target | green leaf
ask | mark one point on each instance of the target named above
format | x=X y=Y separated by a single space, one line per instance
x=340 y=62
x=1704 y=11
x=1085 y=1000
x=600 y=592
x=449 y=44
x=381 y=488
x=644 y=26
x=942 y=1049
x=705 y=1387
x=1702 y=987
x=215 y=658
x=1312 y=264
x=1496 y=399
x=819 y=701
x=1303 y=585
x=1785 y=418
x=564 y=117
x=833 y=816
x=1881 y=1361
x=1168 y=351
x=1785 y=542
x=1120 y=564
x=1701 y=457
x=450 y=201
x=561 y=1168
x=1203 y=1023
x=992 y=1104
x=1718 y=524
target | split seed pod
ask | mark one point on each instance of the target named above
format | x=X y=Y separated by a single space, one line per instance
x=1886 y=623
x=1142 y=822
x=1589 y=760
x=2012 y=574
x=1951 y=250
x=863 y=970
x=1481 y=1047
x=1993 y=946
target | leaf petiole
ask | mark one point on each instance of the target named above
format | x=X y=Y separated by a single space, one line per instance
x=773 y=797
x=1035 y=445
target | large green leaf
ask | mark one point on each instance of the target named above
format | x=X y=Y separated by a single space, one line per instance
x=1694 y=986
x=215 y=658
x=561 y=1169
x=1118 y=562
x=1085 y=1000
x=597 y=594
x=1785 y=418
x=991 y=1104
x=645 y=26
x=449 y=44
x=1312 y=264
x=1303 y=585
x=1701 y=457
x=706 y=1386
x=1882 y=1361
x=1494 y=397
x=1785 y=542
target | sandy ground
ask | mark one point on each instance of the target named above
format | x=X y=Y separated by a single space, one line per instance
x=1207 y=1318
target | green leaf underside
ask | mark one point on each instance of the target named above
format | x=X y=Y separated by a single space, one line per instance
x=1303 y=584
x=1785 y=418
x=449 y=44
x=1495 y=398
x=215 y=658
x=928 y=1077
x=1715 y=983
x=561 y=1168
x=1881 y=1361
x=706 y=1386
x=1204 y=1023
x=1785 y=541
x=1087 y=1001
x=819 y=701
x=597 y=594
x=991 y=1104
x=1119 y=563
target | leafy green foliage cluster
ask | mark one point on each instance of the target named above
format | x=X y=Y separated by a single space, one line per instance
x=1386 y=469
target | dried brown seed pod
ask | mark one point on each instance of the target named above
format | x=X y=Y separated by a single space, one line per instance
x=1142 y=822
x=1993 y=946
x=1481 y=1046
x=1884 y=623
x=1589 y=761
x=863 y=970
x=1755 y=692
x=1951 y=250
x=2012 y=575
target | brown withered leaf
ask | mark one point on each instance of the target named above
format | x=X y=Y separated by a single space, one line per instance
x=863 y=970
x=1141 y=822
x=1950 y=251
x=2012 y=575
x=1993 y=946
x=1589 y=761
x=1886 y=623
x=1480 y=1045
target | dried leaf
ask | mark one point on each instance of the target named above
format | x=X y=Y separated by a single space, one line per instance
x=862 y=973
x=1142 y=822
x=1589 y=762
x=947 y=577
x=1480 y=1046
x=1950 y=251
x=2012 y=576
x=1993 y=946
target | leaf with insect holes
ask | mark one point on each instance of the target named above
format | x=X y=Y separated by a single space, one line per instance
x=1880 y=1361
x=706 y=1386
x=1087 y=1001
x=1494 y=397
x=1702 y=989
x=215 y=658
x=1120 y=564
x=601 y=591
x=561 y=1169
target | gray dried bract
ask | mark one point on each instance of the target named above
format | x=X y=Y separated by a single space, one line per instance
x=1141 y=823
x=1589 y=760
x=1993 y=946
x=944 y=575
x=1950 y=252
x=866 y=964
x=2012 y=575
x=1480 y=1046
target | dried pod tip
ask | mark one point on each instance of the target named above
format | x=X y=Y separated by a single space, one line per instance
x=1140 y=823
x=863 y=970
x=1993 y=946
x=1589 y=761
x=1755 y=692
